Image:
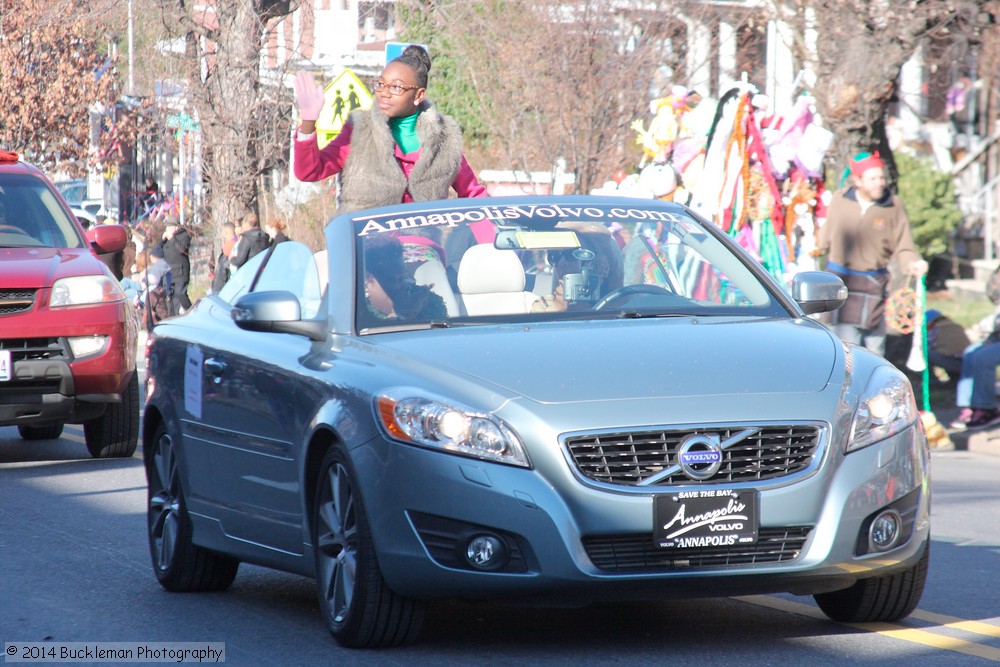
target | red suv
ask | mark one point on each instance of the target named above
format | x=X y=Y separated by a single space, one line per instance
x=67 y=331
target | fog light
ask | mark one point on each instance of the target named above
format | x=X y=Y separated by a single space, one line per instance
x=486 y=552
x=86 y=346
x=884 y=532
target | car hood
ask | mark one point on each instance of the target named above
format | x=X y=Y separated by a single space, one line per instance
x=40 y=267
x=567 y=362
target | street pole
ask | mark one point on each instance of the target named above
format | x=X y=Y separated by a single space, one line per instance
x=180 y=143
x=131 y=79
x=185 y=125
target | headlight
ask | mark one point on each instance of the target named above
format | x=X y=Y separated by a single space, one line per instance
x=887 y=407
x=453 y=428
x=81 y=290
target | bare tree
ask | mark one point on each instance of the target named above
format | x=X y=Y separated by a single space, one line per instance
x=551 y=79
x=236 y=110
x=56 y=70
x=860 y=49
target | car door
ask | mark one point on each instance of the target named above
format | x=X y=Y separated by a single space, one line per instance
x=257 y=409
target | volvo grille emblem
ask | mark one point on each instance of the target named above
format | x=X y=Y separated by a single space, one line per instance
x=700 y=455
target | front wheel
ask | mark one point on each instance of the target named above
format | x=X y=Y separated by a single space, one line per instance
x=359 y=607
x=180 y=566
x=116 y=432
x=879 y=599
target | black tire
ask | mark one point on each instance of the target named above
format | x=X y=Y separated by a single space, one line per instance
x=879 y=599
x=116 y=433
x=179 y=564
x=360 y=609
x=40 y=432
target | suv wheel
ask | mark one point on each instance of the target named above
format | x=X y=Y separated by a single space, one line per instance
x=43 y=432
x=116 y=432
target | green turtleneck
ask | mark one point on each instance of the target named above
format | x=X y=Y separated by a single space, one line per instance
x=404 y=131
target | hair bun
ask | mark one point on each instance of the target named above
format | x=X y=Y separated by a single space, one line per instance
x=417 y=54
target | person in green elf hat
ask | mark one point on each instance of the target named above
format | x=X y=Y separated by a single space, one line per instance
x=865 y=233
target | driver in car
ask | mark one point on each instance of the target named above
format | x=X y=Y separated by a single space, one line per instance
x=581 y=276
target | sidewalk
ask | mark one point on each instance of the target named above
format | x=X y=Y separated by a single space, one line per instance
x=982 y=441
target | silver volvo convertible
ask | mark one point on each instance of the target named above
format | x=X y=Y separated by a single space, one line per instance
x=552 y=400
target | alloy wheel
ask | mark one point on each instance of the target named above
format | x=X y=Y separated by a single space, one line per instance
x=164 y=503
x=336 y=542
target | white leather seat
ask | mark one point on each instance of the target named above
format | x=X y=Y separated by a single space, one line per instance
x=491 y=282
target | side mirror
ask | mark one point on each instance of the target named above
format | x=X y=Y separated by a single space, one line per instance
x=818 y=291
x=107 y=238
x=277 y=312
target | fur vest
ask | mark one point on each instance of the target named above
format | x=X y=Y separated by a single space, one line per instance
x=373 y=177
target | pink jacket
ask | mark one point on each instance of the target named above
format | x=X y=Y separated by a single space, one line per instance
x=313 y=164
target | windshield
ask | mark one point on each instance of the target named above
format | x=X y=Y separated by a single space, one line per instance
x=32 y=216
x=523 y=263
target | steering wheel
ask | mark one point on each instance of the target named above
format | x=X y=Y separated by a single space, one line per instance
x=623 y=293
x=14 y=229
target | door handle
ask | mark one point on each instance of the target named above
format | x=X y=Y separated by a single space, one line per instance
x=215 y=368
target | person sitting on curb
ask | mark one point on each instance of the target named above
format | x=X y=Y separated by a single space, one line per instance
x=946 y=343
x=976 y=391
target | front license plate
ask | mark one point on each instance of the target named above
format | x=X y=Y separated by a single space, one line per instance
x=700 y=519
x=6 y=366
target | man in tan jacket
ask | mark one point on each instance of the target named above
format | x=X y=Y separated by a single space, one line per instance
x=866 y=231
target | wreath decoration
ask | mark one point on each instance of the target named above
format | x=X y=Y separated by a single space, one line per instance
x=901 y=310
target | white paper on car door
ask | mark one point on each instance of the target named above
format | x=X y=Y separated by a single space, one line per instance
x=192 y=381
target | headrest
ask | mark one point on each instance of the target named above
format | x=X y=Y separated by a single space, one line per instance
x=485 y=269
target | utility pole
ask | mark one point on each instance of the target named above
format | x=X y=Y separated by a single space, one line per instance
x=131 y=78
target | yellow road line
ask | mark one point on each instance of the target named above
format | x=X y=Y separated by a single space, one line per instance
x=915 y=635
x=931 y=639
x=976 y=627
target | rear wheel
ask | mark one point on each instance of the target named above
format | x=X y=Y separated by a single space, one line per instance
x=116 y=432
x=40 y=432
x=879 y=599
x=359 y=607
x=179 y=564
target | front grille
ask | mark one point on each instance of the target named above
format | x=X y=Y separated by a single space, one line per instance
x=630 y=458
x=636 y=553
x=33 y=349
x=14 y=301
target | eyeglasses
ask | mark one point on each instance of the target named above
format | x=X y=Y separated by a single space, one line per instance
x=378 y=85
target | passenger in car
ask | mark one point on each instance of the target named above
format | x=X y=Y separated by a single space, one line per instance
x=390 y=291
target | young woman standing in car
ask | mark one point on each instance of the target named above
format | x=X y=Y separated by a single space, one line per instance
x=400 y=150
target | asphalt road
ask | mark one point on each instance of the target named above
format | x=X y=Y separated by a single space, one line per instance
x=74 y=567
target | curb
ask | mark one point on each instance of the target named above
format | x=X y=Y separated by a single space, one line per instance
x=986 y=441
x=983 y=441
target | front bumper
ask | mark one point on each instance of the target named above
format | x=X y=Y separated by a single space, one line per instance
x=47 y=383
x=565 y=536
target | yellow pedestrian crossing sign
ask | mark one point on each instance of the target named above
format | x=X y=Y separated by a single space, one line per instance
x=344 y=94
